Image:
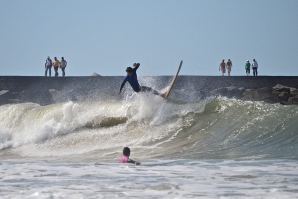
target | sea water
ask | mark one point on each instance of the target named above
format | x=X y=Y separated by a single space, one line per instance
x=213 y=148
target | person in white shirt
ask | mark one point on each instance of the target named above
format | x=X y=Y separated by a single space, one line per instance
x=48 y=66
x=255 y=67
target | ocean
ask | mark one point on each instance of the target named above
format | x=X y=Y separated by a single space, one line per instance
x=212 y=148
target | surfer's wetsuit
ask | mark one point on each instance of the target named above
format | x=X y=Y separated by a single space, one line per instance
x=133 y=81
x=125 y=159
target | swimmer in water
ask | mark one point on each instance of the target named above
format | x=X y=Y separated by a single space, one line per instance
x=125 y=157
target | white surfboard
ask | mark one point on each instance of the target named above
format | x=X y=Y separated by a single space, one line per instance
x=167 y=93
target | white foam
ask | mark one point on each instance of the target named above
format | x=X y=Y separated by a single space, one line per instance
x=153 y=179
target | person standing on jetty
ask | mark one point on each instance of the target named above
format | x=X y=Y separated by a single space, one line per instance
x=63 y=64
x=255 y=67
x=222 y=67
x=132 y=78
x=229 y=66
x=56 y=65
x=48 y=66
x=247 y=68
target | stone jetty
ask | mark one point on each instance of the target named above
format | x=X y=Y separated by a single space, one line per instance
x=50 y=90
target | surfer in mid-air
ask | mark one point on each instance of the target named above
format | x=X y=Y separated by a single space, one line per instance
x=132 y=78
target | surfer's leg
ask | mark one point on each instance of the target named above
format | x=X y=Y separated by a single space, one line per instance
x=137 y=89
x=148 y=89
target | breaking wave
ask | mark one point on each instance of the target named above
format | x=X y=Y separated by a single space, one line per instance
x=217 y=128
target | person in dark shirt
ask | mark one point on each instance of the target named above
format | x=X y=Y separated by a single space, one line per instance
x=132 y=78
x=125 y=157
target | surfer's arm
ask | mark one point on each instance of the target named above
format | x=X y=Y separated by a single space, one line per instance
x=136 y=66
x=122 y=85
x=134 y=162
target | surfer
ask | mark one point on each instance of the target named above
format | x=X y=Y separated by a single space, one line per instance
x=125 y=157
x=132 y=78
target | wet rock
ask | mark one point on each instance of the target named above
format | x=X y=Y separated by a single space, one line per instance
x=218 y=92
x=275 y=92
x=4 y=96
x=282 y=88
x=293 y=100
x=287 y=90
x=3 y=101
x=264 y=94
x=234 y=92
x=284 y=96
x=295 y=92
x=8 y=94
x=230 y=92
x=249 y=94
x=7 y=97
x=39 y=96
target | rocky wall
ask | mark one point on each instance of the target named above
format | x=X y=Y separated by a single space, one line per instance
x=49 y=90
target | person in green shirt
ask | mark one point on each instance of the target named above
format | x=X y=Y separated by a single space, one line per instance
x=247 y=68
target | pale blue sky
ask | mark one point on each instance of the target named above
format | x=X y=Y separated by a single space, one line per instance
x=106 y=36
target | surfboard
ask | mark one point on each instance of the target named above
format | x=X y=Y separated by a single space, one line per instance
x=167 y=93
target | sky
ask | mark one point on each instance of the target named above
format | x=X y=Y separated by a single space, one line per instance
x=106 y=36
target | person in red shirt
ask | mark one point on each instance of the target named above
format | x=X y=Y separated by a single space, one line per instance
x=222 y=67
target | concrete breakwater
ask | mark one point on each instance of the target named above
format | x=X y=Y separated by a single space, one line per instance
x=49 y=90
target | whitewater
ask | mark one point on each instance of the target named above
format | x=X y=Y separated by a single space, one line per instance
x=212 y=148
